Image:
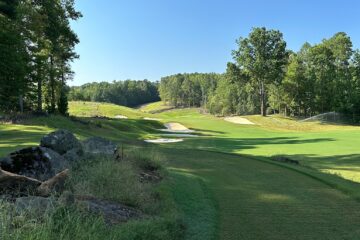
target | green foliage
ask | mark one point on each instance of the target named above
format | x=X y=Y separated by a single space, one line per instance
x=127 y=93
x=37 y=44
x=14 y=59
x=263 y=57
x=63 y=102
x=317 y=79
x=188 y=90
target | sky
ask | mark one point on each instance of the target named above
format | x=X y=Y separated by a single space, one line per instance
x=149 y=39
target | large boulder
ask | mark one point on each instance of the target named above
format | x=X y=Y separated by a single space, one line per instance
x=34 y=162
x=97 y=145
x=17 y=185
x=113 y=213
x=34 y=206
x=61 y=141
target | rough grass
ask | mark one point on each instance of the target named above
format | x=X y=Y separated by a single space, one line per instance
x=155 y=107
x=281 y=123
x=91 y=109
x=107 y=179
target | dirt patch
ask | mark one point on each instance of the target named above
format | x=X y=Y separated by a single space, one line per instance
x=239 y=120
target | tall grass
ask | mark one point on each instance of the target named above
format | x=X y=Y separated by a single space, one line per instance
x=108 y=179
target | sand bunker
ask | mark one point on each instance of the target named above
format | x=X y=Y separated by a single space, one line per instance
x=164 y=140
x=238 y=120
x=120 y=117
x=179 y=135
x=176 y=128
x=152 y=119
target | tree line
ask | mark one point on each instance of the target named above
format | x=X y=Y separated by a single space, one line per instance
x=36 y=46
x=265 y=77
x=129 y=93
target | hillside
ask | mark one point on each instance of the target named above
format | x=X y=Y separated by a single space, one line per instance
x=206 y=173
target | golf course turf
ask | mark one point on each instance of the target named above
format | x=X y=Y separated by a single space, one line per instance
x=259 y=200
x=224 y=182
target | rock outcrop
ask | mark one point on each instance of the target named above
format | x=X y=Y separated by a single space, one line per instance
x=97 y=145
x=33 y=179
x=34 y=162
x=17 y=185
x=113 y=213
x=64 y=143
x=33 y=205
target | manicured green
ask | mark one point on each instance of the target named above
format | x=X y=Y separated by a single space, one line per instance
x=328 y=148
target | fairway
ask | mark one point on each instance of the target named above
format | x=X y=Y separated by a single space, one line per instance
x=257 y=200
x=328 y=148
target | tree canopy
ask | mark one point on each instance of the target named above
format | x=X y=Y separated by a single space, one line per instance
x=265 y=77
x=129 y=93
x=36 y=46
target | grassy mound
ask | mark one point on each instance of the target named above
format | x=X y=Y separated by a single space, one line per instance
x=155 y=107
x=92 y=109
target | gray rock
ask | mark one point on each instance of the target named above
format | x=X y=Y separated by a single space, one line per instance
x=35 y=206
x=74 y=154
x=34 y=162
x=61 y=141
x=113 y=213
x=67 y=198
x=97 y=145
x=16 y=185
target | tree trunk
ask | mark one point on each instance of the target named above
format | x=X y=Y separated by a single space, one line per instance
x=52 y=85
x=262 y=99
x=21 y=103
x=39 y=91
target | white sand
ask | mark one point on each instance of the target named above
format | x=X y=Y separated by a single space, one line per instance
x=179 y=135
x=176 y=128
x=152 y=119
x=164 y=140
x=120 y=117
x=239 y=120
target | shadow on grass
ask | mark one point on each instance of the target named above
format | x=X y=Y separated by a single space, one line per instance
x=236 y=144
x=30 y=131
x=255 y=191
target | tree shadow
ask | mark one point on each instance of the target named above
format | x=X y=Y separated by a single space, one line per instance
x=237 y=144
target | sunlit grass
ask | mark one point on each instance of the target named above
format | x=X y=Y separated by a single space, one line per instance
x=155 y=107
x=91 y=109
x=228 y=184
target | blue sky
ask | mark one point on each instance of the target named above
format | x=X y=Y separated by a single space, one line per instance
x=148 y=39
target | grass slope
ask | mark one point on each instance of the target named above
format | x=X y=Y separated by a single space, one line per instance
x=258 y=200
x=155 y=107
x=91 y=109
x=238 y=196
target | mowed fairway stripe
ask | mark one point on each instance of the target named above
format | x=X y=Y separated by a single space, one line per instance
x=258 y=200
